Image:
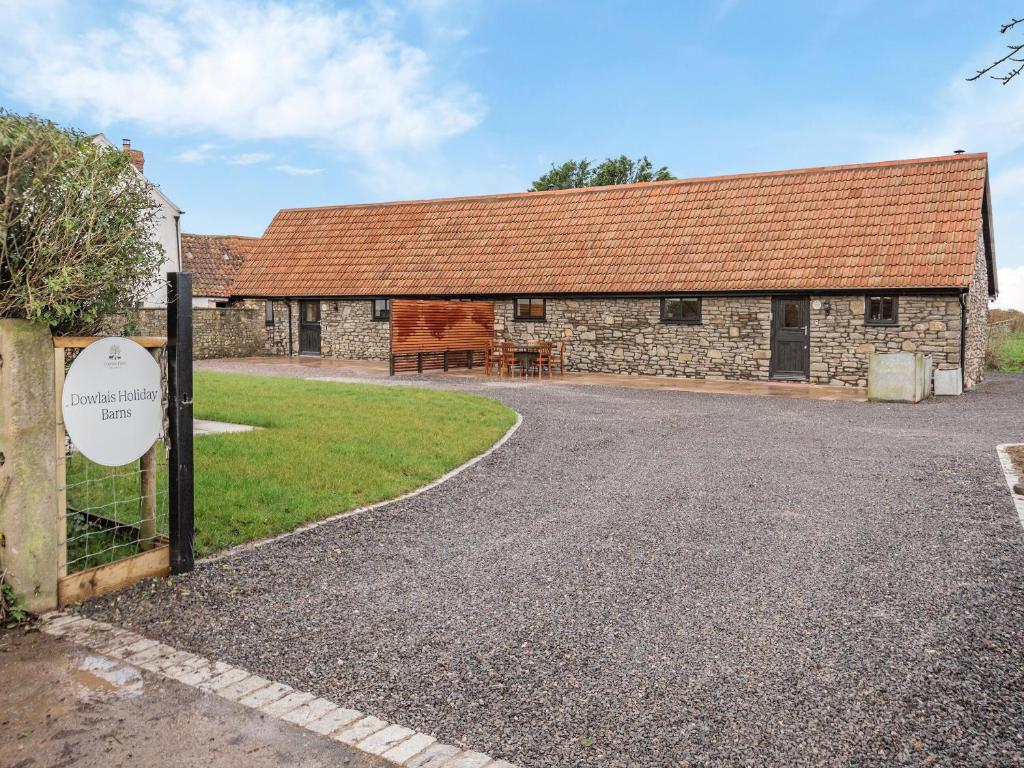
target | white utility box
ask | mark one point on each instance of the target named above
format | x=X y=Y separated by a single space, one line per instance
x=903 y=377
x=950 y=382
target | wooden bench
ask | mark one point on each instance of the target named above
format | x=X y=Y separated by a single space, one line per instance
x=433 y=360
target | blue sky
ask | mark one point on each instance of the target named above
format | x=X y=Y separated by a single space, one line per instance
x=246 y=108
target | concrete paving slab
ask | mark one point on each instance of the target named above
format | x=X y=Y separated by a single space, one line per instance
x=207 y=427
x=73 y=707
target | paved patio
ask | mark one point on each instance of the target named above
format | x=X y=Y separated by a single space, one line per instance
x=658 y=578
x=375 y=370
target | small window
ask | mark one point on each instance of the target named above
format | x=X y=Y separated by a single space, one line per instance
x=310 y=312
x=268 y=312
x=382 y=310
x=791 y=315
x=680 y=309
x=880 y=310
x=531 y=310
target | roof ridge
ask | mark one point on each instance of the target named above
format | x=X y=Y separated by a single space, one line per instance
x=648 y=184
x=199 y=234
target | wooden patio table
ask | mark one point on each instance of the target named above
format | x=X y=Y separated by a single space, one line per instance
x=527 y=352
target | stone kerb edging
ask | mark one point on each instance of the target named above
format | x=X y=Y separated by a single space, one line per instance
x=396 y=744
x=1012 y=478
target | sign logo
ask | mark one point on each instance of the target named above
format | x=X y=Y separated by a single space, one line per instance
x=112 y=403
x=114 y=356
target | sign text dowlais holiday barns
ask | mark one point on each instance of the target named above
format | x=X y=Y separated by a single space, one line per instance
x=111 y=403
x=121 y=397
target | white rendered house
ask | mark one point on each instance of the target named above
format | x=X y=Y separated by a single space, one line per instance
x=166 y=230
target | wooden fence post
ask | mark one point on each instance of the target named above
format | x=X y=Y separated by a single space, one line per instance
x=147 y=499
x=147 y=492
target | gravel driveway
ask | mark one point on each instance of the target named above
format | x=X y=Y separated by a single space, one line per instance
x=649 y=578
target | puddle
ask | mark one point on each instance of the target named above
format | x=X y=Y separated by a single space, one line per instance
x=98 y=677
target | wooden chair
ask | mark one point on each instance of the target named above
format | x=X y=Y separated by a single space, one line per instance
x=543 y=358
x=558 y=359
x=509 y=359
x=492 y=357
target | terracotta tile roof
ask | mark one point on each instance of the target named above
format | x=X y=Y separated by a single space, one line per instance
x=214 y=260
x=903 y=224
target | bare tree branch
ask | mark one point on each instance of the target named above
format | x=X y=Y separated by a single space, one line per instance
x=1010 y=57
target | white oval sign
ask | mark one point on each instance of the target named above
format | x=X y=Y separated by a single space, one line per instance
x=112 y=404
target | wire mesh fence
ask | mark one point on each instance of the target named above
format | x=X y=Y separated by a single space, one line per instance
x=113 y=512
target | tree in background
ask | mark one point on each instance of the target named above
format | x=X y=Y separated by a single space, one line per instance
x=1013 y=60
x=76 y=223
x=582 y=173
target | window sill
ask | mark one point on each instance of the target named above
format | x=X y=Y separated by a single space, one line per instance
x=680 y=322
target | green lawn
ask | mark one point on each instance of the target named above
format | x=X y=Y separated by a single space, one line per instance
x=324 y=448
x=1009 y=356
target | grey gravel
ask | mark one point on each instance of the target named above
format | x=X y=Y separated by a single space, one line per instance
x=656 y=578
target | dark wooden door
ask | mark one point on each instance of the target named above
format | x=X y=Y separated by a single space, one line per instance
x=791 y=338
x=309 y=327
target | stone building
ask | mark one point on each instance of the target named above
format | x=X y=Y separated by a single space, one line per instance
x=793 y=275
x=213 y=261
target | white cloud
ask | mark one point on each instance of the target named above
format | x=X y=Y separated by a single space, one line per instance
x=248 y=158
x=199 y=154
x=246 y=71
x=1011 y=288
x=976 y=117
x=294 y=170
x=206 y=152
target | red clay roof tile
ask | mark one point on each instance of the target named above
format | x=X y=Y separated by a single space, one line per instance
x=214 y=260
x=901 y=224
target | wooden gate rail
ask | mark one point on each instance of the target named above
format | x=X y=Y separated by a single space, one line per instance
x=81 y=342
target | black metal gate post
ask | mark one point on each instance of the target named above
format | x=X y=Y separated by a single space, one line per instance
x=180 y=495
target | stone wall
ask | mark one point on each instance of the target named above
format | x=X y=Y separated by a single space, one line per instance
x=227 y=332
x=733 y=341
x=235 y=331
x=977 y=317
x=273 y=337
x=625 y=335
x=842 y=343
x=347 y=330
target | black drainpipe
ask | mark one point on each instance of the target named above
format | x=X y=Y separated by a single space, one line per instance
x=291 y=354
x=963 y=337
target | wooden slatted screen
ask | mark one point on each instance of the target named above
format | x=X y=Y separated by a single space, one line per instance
x=423 y=331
